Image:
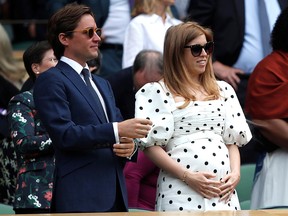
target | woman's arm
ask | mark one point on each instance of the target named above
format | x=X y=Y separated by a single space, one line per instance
x=230 y=181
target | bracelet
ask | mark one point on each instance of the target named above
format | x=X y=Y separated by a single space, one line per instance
x=184 y=176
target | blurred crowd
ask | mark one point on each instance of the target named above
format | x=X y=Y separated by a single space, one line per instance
x=27 y=19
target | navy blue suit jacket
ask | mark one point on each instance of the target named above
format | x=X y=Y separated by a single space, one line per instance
x=86 y=167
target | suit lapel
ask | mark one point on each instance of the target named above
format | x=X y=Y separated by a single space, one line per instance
x=76 y=80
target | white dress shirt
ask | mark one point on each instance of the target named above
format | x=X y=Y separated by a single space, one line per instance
x=118 y=18
x=252 y=51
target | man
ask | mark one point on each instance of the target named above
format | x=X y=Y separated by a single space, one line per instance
x=112 y=16
x=238 y=42
x=82 y=120
x=147 y=67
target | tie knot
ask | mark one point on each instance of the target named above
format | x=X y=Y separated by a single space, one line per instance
x=85 y=72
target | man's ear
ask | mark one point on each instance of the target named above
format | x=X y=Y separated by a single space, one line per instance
x=63 y=39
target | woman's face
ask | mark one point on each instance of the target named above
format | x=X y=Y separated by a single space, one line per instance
x=49 y=60
x=196 y=64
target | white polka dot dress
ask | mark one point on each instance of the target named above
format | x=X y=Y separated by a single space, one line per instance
x=196 y=138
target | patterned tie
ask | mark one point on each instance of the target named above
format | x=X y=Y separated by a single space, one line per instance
x=265 y=27
x=86 y=75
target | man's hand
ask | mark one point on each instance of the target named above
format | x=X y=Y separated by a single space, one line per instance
x=134 y=128
x=125 y=148
x=227 y=73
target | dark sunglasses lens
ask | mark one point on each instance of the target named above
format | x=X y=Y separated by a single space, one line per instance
x=90 y=32
x=196 y=50
x=209 y=47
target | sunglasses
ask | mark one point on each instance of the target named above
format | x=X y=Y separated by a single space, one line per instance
x=196 y=49
x=90 y=32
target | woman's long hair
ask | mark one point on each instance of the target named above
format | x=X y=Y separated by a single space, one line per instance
x=146 y=7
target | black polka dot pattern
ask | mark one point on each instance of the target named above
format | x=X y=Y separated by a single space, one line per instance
x=196 y=138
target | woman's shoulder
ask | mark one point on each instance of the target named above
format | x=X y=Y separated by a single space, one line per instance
x=224 y=86
x=146 y=20
x=157 y=87
x=226 y=90
x=156 y=92
x=141 y=18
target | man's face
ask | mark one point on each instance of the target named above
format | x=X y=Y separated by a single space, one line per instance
x=80 y=46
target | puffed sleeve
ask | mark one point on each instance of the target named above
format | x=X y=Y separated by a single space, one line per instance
x=155 y=103
x=236 y=129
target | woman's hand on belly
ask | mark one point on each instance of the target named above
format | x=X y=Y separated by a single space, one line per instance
x=203 y=183
x=229 y=183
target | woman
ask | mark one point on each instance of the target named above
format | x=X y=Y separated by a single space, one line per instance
x=10 y=69
x=12 y=75
x=32 y=143
x=198 y=125
x=267 y=104
x=147 y=29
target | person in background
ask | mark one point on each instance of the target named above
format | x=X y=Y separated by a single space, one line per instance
x=182 y=7
x=267 y=104
x=198 y=125
x=29 y=18
x=10 y=78
x=12 y=75
x=90 y=140
x=93 y=64
x=147 y=29
x=147 y=67
x=141 y=179
x=11 y=70
x=141 y=176
x=33 y=146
